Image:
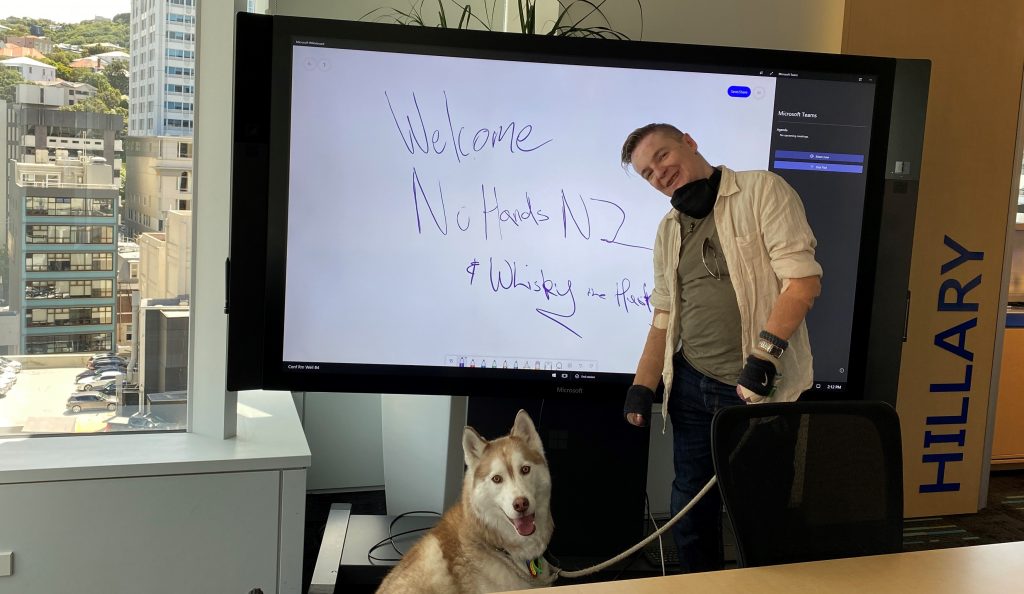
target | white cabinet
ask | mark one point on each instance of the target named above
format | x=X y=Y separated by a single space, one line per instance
x=185 y=533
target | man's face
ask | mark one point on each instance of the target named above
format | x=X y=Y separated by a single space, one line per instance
x=668 y=163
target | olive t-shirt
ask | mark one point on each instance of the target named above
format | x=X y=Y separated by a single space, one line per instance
x=709 y=316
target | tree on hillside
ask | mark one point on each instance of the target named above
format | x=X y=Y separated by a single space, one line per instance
x=81 y=33
x=64 y=71
x=9 y=79
x=62 y=61
x=106 y=100
x=117 y=75
x=88 y=32
x=18 y=25
x=124 y=18
x=96 y=79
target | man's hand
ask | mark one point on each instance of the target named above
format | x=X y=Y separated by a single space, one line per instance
x=639 y=401
x=757 y=380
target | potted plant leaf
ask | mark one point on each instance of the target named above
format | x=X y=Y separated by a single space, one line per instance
x=573 y=18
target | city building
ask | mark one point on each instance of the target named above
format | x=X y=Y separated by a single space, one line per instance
x=162 y=68
x=60 y=202
x=127 y=269
x=31 y=69
x=160 y=181
x=61 y=237
x=41 y=44
x=13 y=50
x=53 y=95
x=165 y=259
x=98 y=62
x=32 y=129
x=163 y=345
x=102 y=45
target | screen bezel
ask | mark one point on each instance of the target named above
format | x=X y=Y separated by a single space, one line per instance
x=632 y=54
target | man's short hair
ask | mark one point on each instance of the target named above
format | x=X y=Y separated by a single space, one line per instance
x=643 y=132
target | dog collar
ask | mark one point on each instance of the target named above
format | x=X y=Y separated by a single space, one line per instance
x=535 y=567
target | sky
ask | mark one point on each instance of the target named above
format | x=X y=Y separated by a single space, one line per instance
x=64 y=11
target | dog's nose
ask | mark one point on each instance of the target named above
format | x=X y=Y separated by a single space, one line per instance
x=521 y=504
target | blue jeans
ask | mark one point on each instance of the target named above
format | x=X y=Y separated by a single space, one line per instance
x=693 y=402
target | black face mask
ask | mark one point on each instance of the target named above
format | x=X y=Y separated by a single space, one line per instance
x=697 y=198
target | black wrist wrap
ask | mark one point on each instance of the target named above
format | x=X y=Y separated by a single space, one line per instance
x=639 y=399
x=758 y=376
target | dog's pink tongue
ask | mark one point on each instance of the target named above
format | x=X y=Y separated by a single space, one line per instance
x=524 y=525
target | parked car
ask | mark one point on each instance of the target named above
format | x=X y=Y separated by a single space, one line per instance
x=140 y=422
x=89 y=401
x=106 y=361
x=129 y=393
x=145 y=421
x=111 y=389
x=98 y=380
x=89 y=372
x=100 y=355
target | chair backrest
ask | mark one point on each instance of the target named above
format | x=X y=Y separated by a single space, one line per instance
x=805 y=481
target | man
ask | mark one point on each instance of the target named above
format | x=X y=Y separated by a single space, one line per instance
x=731 y=292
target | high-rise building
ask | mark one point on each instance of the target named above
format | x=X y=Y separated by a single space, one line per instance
x=62 y=240
x=59 y=200
x=161 y=94
x=159 y=181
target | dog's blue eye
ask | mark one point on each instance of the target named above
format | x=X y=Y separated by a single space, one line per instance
x=525 y=469
x=496 y=478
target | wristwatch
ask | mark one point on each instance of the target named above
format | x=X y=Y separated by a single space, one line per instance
x=771 y=344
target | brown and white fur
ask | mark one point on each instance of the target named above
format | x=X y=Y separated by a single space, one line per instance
x=484 y=543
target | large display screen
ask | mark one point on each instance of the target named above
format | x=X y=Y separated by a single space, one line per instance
x=450 y=214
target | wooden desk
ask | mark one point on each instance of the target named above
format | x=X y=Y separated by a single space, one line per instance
x=962 y=570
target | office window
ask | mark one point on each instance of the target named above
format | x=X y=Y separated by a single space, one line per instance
x=79 y=207
x=86 y=234
x=180 y=53
x=68 y=289
x=177 y=106
x=68 y=316
x=100 y=342
x=65 y=261
x=83 y=245
x=180 y=36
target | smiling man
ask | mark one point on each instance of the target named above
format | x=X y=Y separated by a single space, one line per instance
x=734 y=278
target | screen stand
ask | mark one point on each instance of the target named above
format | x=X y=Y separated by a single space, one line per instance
x=423 y=462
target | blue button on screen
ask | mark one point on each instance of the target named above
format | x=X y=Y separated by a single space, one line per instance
x=737 y=91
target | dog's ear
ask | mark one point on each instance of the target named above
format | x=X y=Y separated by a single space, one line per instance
x=523 y=429
x=472 y=446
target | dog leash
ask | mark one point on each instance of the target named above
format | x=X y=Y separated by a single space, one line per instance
x=557 y=572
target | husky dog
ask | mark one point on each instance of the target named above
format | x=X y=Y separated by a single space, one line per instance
x=493 y=539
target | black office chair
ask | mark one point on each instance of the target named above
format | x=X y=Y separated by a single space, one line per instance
x=805 y=481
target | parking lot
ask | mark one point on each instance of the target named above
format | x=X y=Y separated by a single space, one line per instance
x=36 y=403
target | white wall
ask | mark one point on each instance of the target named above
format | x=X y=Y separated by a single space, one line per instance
x=384 y=10
x=39 y=95
x=805 y=25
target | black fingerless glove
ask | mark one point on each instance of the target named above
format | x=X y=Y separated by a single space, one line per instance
x=758 y=376
x=639 y=399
